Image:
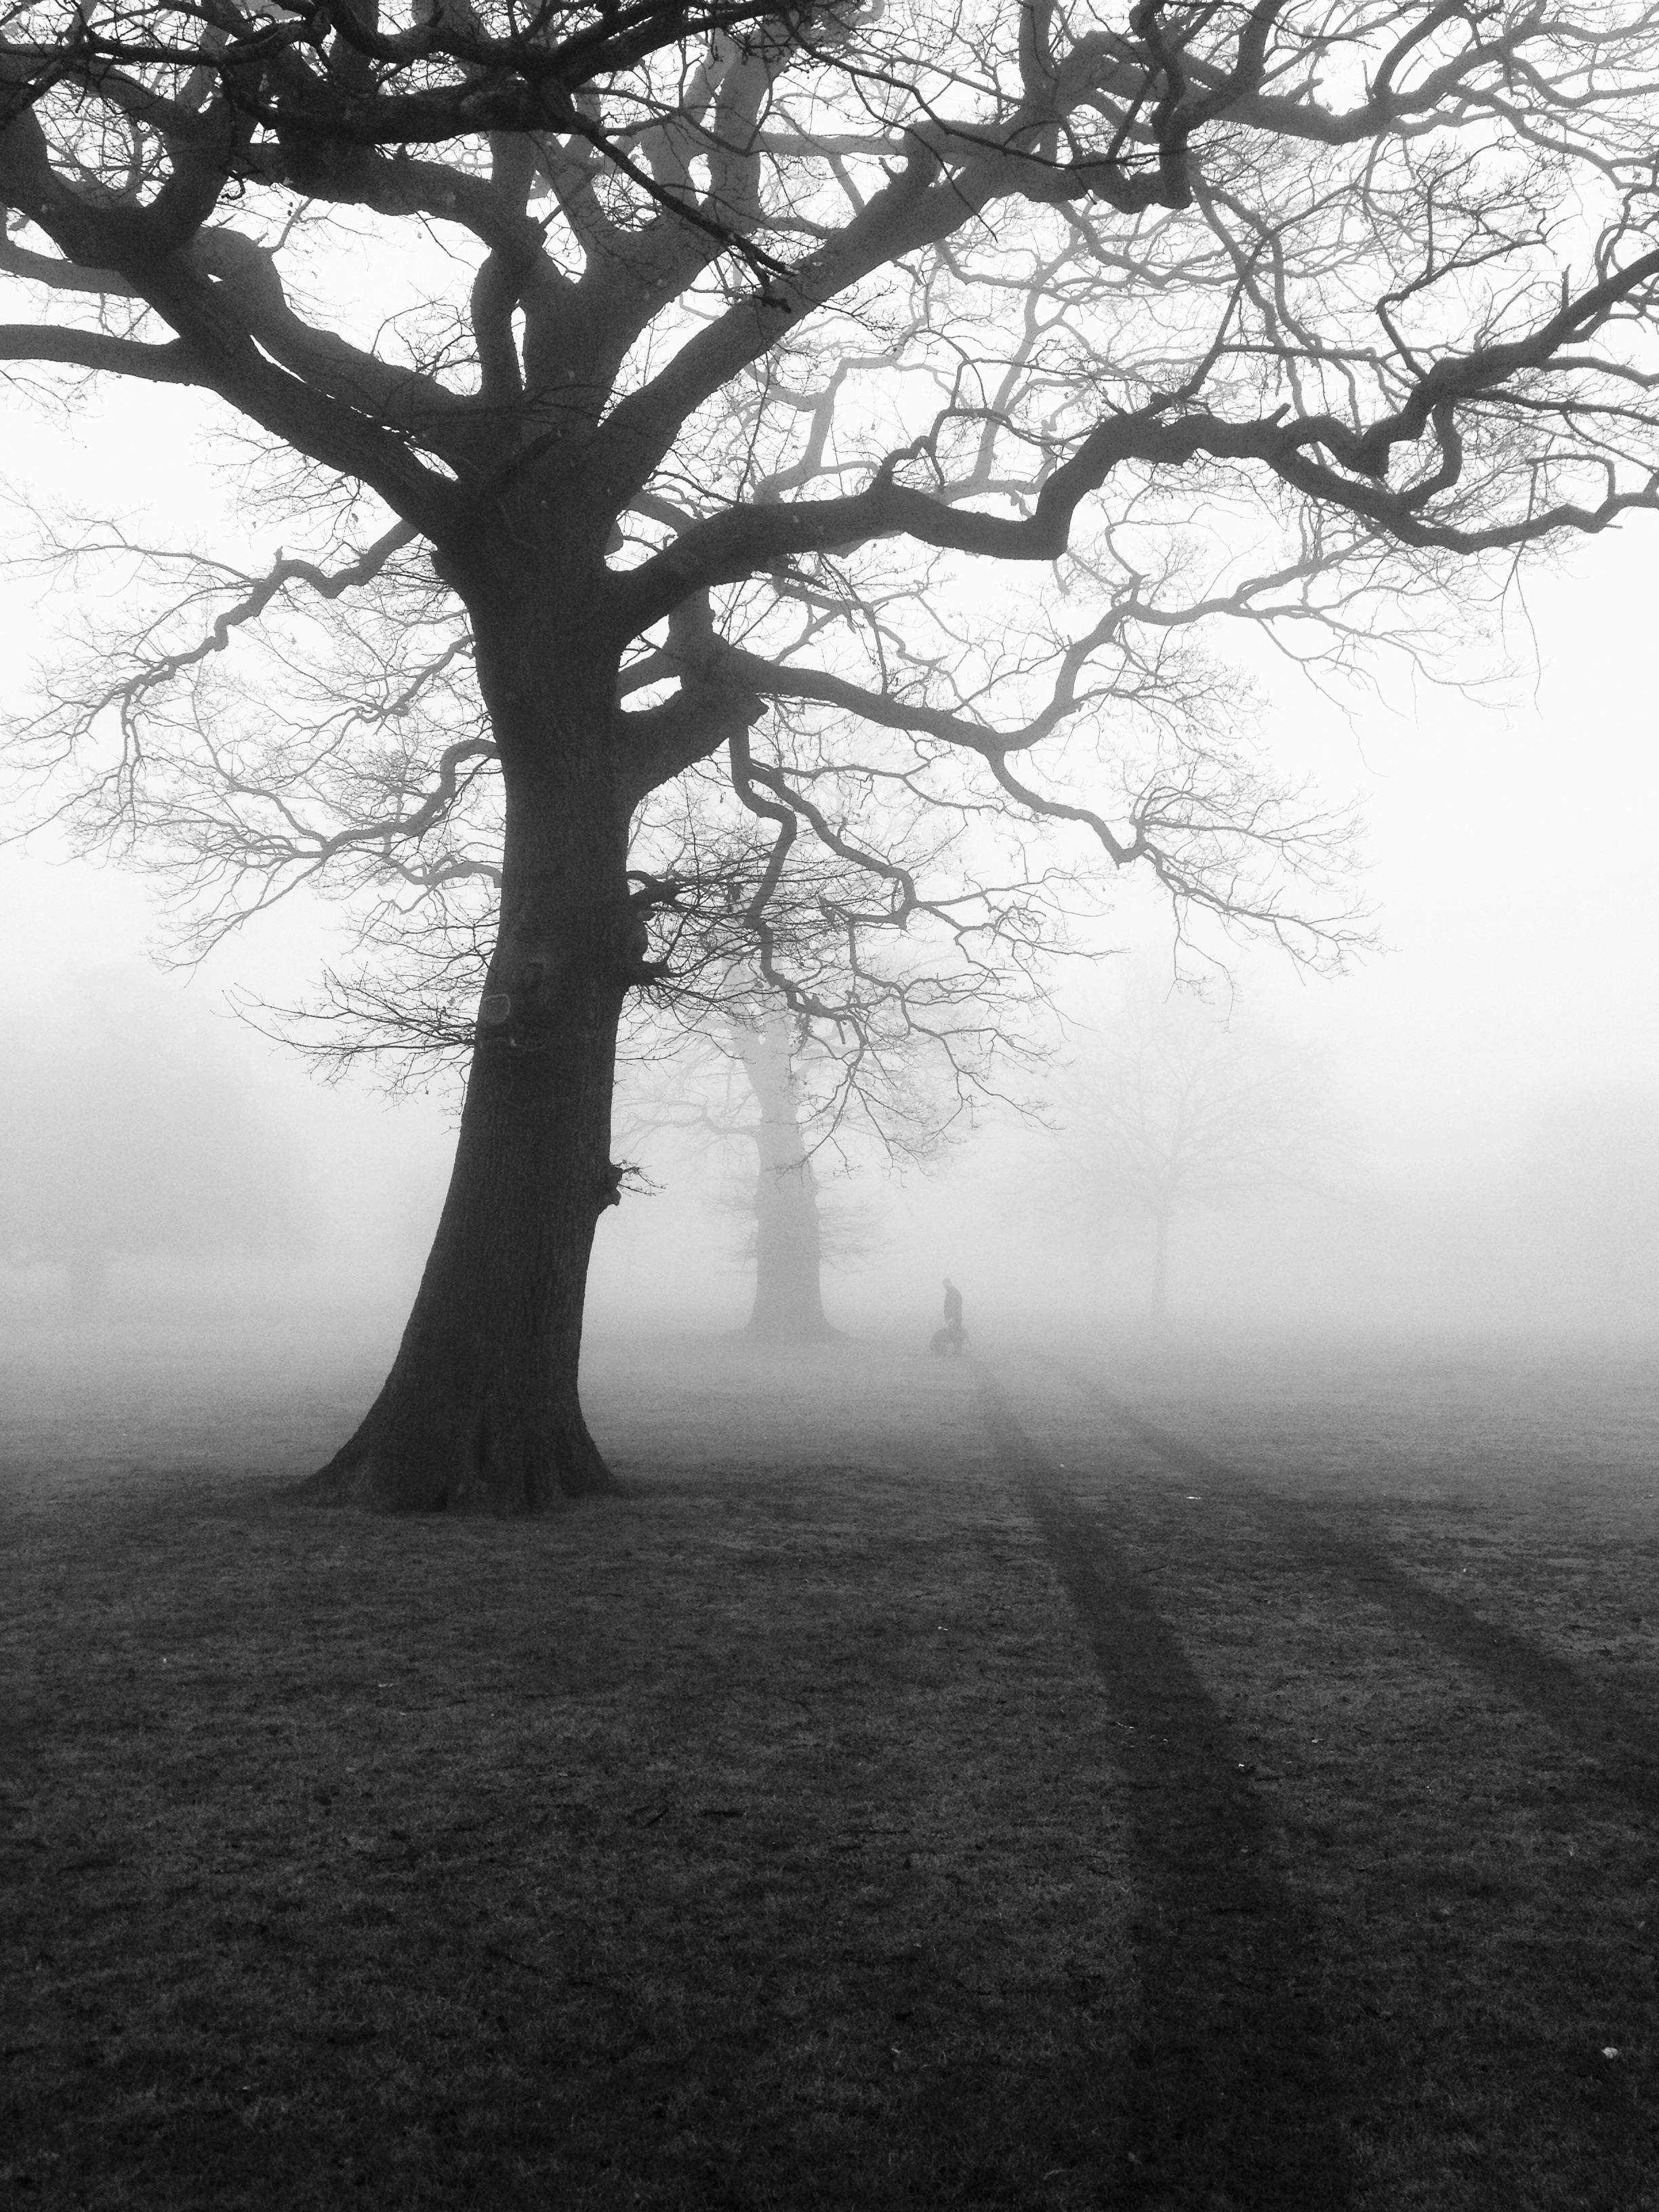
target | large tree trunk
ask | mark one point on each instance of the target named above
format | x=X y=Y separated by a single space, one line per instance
x=480 y=1413
x=789 y=1305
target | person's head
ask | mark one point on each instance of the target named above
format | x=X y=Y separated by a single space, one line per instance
x=949 y=1285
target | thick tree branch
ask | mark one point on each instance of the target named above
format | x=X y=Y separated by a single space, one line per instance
x=174 y=363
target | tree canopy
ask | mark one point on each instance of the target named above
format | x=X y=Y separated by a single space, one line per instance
x=765 y=328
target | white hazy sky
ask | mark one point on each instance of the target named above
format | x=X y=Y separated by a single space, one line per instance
x=1513 y=872
x=1511 y=867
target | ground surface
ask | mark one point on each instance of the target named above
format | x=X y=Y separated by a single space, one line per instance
x=1182 y=1779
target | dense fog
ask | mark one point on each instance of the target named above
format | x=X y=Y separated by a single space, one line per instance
x=1464 y=1130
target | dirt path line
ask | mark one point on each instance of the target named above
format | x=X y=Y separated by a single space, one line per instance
x=1230 y=2098
x=1621 y=1739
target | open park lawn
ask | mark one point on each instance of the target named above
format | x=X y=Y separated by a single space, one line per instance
x=1201 y=1776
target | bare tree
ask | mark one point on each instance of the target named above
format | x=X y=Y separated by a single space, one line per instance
x=766 y=1081
x=710 y=356
x=1173 y=1109
x=788 y=1305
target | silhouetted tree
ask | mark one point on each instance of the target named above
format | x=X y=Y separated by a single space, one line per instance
x=754 y=335
x=763 y=1083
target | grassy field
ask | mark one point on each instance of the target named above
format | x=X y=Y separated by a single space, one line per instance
x=1187 y=1777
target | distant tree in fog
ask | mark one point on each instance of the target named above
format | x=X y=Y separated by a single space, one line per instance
x=763 y=1080
x=788 y=1305
x=1174 y=1110
x=122 y=1134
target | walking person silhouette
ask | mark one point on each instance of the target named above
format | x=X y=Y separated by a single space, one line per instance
x=953 y=1335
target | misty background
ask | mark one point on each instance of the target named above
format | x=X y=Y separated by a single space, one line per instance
x=1478 y=1147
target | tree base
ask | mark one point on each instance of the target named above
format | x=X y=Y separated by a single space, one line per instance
x=380 y=1471
x=783 y=1333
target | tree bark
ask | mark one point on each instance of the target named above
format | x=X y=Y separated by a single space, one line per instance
x=788 y=1306
x=481 y=1413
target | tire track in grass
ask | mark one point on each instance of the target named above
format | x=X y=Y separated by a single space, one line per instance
x=1620 y=1740
x=1230 y=2102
